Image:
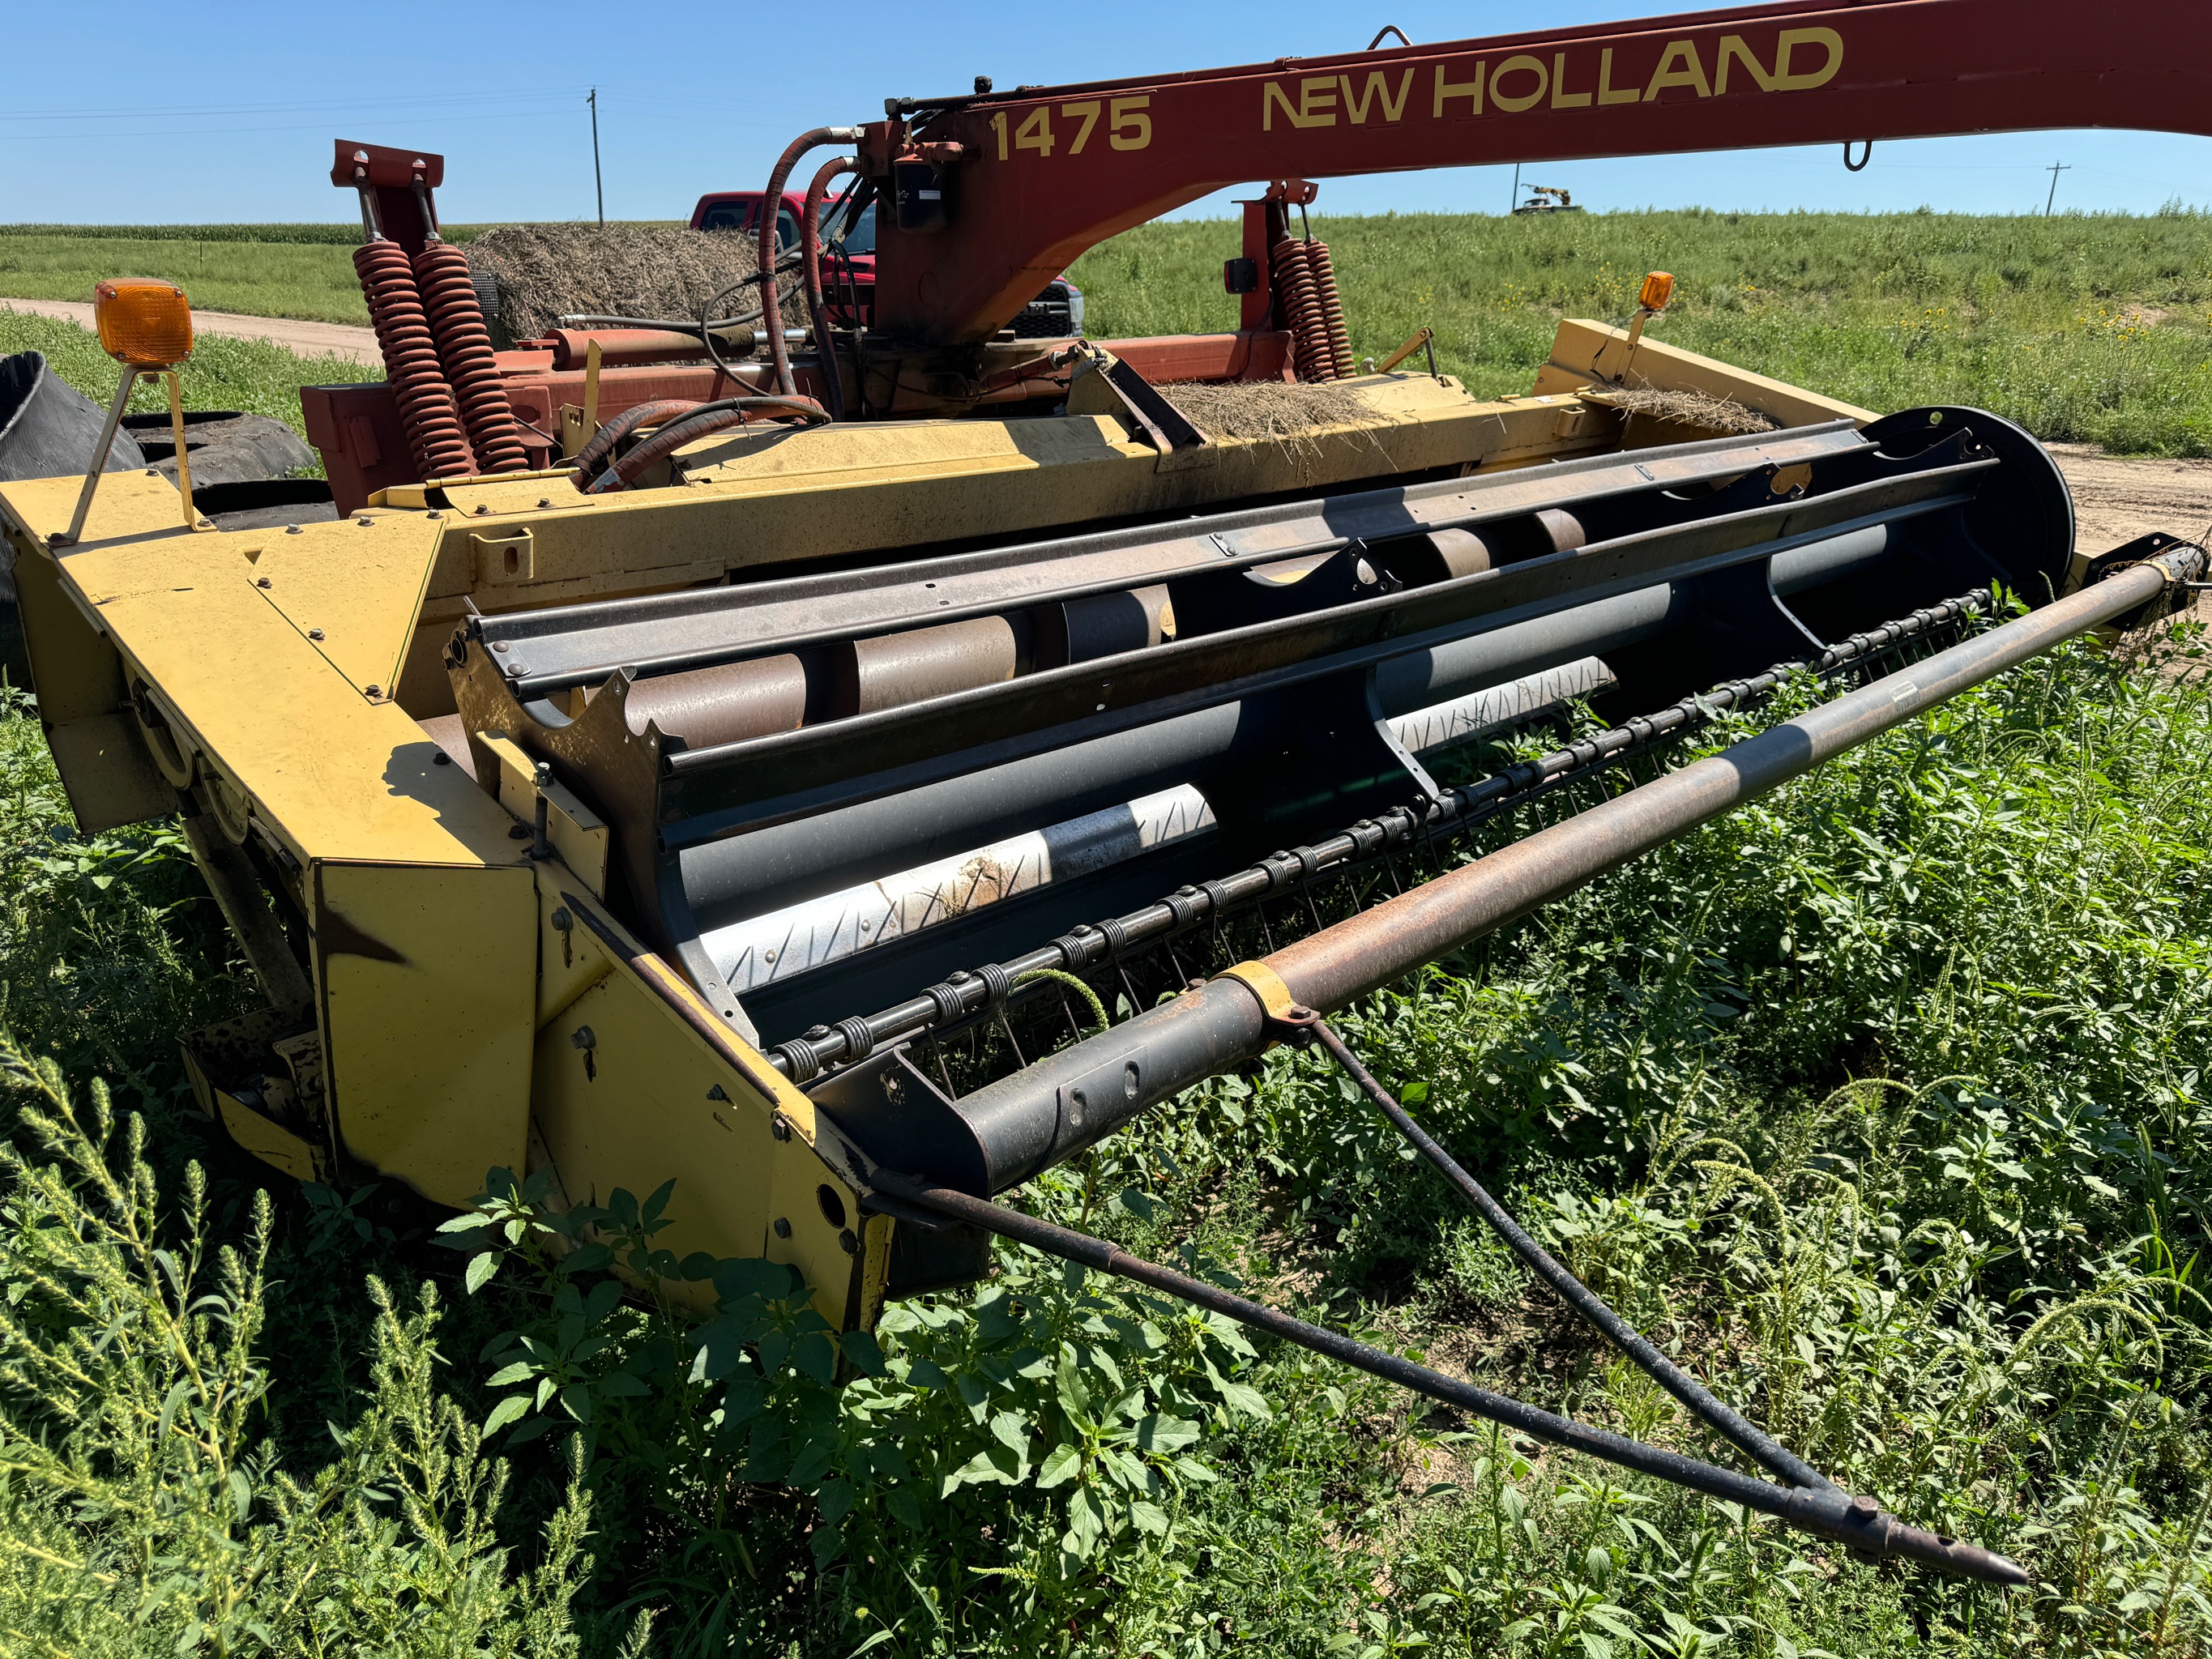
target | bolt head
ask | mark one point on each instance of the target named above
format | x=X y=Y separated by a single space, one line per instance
x=263 y=581
x=1864 y=1506
x=849 y=1243
x=314 y=633
x=783 y=1227
x=779 y=1127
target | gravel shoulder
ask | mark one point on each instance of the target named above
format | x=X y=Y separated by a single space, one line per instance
x=354 y=345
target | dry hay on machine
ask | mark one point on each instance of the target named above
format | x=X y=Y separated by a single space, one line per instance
x=1723 y=416
x=546 y=272
x=1275 y=410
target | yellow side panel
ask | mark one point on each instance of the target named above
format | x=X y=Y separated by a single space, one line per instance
x=428 y=979
x=628 y=1097
x=1585 y=353
x=110 y=778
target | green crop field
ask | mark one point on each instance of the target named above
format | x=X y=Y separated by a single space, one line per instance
x=2087 y=328
x=1882 y=1104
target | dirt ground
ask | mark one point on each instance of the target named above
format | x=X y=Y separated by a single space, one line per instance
x=2116 y=500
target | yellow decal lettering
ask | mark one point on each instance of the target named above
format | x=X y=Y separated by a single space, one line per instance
x=1514 y=102
x=999 y=126
x=1732 y=47
x=1470 y=90
x=1788 y=80
x=1378 y=91
x=1275 y=96
x=1561 y=98
x=1089 y=112
x=1607 y=93
x=1680 y=67
x=1317 y=101
x=1132 y=129
x=1035 y=133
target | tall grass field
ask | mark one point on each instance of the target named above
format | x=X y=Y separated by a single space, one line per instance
x=1880 y=1104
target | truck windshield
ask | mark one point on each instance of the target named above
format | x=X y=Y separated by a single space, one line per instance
x=863 y=238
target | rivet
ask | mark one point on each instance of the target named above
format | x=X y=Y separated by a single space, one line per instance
x=434 y=513
x=314 y=633
x=291 y=529
x=500 y=646
x=782 y=1227
x=483 y=511
x=264 y=581
x=544 y=501
x=364 y=521
x=375 y=690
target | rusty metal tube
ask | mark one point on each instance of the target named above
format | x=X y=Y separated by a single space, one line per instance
x=894 y=669
x=725 y=704
x=1023 y=1121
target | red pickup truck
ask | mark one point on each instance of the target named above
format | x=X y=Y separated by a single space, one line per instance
x=1056 y=313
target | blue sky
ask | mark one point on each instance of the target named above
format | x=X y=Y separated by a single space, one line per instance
x=694 y=98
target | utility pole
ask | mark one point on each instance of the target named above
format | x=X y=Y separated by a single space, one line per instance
x=1515 y=202
x=598 y=184
x=2054 y=170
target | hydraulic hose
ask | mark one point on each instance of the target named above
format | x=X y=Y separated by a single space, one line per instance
x=771 y=318
x=810 y=254
x=1715 y=1414
x=602 y=442
x=702 y=422
x=1857 y=1521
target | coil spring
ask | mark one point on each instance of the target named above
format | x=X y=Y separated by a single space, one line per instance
x=1332 y=309
x=427 y=410
x=1300 y=305
x=457 y=323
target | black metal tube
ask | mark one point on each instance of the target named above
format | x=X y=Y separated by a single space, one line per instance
x=1204 y=1031
x=1716 y=1414
x=787 y=864
x=1824 y=1510
x=803 y=1058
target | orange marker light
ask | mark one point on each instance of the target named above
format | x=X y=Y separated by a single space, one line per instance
x=1658 y=289
x=144 y=322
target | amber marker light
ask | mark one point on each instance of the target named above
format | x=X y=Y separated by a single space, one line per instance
x=145 y=325
x=144 y=322
x=1658 y=291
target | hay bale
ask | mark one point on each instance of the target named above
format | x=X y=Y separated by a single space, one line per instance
x=1723 y=416
x=1276 y=410
x=545 y=272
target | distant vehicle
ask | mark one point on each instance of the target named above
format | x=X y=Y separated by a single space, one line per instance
x=1547 y=199
x=1056 y=313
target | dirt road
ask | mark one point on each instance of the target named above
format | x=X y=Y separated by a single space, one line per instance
x=2117 y=501
x=355 y=345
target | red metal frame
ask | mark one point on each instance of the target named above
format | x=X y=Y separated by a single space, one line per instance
x=1045 y=175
